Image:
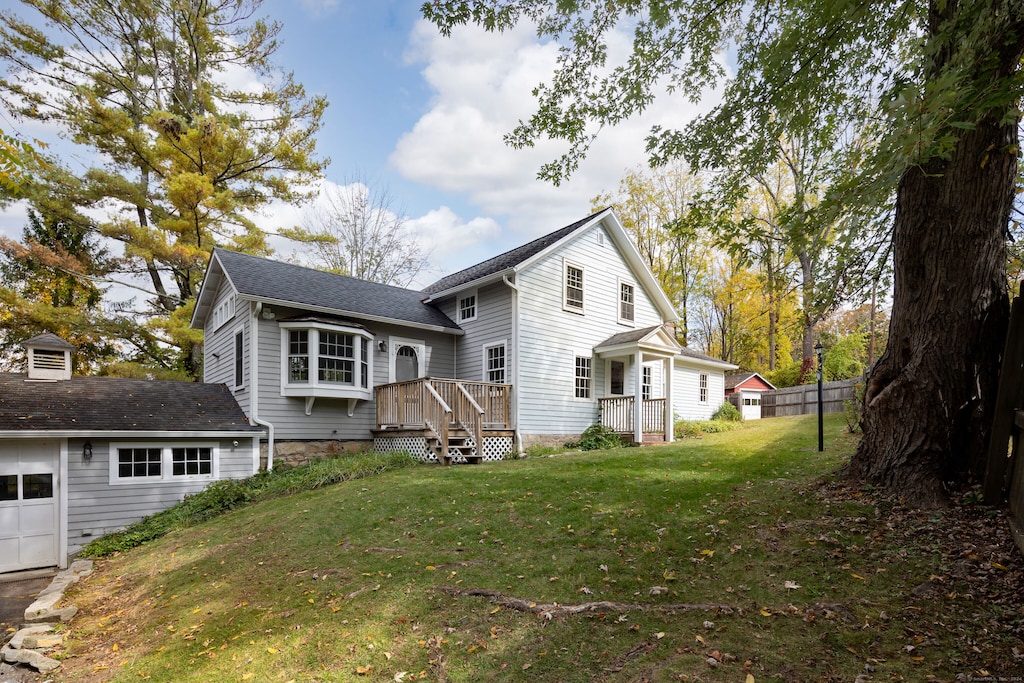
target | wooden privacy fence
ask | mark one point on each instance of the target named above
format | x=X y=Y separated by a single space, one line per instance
x=1004 y=474
x=803 y=400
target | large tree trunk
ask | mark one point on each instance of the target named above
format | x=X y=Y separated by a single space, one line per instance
x=929 y=400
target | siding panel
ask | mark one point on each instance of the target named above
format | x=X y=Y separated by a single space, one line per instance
x=95 y=507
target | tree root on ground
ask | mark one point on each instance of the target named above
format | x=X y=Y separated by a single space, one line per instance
x=554 y=610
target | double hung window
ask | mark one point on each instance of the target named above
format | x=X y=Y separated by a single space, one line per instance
x=584 y=377
x=627 y=292
x=467 y=307
x=572 y=293
x=494 y=363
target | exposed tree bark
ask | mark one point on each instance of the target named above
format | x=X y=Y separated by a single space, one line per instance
x=929 y=400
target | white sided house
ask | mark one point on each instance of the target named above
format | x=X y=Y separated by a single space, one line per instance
x=533 y=345
x=81 y=457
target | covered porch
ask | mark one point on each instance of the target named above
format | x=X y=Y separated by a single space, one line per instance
x=446 y=419
x=638 y=412
x=619 y=413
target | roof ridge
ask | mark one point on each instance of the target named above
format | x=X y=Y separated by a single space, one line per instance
x=319 y=270
x=529 y=249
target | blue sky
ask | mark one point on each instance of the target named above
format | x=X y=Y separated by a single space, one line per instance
x=424 y=116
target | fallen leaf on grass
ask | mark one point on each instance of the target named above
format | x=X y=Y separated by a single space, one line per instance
x=364 y=670
x=792 y=585
x=750 y=678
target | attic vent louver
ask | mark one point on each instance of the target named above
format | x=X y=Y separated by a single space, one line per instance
x=44 y=359
x=49 y=358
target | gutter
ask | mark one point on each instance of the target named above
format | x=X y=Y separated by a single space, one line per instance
x=516 y=386
x=254 y=373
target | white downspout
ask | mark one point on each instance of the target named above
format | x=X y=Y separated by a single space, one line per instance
x=516 y=385
x=254 y=364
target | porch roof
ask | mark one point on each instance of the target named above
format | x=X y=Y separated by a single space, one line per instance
x=655 y=340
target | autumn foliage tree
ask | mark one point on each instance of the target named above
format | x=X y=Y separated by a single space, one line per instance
x=177 y=157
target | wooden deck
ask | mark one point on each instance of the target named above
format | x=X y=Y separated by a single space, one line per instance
x=455 y=416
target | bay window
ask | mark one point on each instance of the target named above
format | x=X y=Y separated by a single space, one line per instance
x=328 y=360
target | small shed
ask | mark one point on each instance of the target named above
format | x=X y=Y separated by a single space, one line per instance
x=81 y=457
x=744 y=391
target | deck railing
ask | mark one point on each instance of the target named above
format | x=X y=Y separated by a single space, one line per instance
x=617 y=414
x=401 y=404
x=470 y=416
x=437 y=415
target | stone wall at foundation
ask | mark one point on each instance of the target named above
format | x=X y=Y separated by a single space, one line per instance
x=294 y=453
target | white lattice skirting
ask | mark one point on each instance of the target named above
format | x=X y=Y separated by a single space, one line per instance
x=495 y=447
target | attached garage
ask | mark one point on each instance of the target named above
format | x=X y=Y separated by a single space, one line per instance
x=30 y=500
x=81 y=457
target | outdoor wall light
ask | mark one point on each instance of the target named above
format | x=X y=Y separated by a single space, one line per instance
x=87 y=450
x=382 y=346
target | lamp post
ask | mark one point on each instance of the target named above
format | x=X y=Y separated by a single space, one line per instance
x=818 y=348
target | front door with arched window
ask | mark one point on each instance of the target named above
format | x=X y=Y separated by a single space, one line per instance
x=407 y=363
x=408 y=359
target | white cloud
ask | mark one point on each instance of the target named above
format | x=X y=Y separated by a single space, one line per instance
x=482 y=85
x=452 y=242
x=446 y=237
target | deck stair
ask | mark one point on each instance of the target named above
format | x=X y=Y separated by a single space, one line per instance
x=460 y=445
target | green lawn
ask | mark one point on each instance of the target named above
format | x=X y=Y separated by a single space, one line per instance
x=728 y=558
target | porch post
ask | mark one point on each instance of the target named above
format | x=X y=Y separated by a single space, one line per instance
x=670 y=366
x=638 y=397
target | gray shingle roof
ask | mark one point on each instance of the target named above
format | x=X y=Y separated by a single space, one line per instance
x=690 y=353
x=266 y=279
x=117 y=404
x=509 y=259
x=628 y=337
x=307 y=287
x=48 y=339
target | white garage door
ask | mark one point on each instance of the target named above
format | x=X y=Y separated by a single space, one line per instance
x=28 y=504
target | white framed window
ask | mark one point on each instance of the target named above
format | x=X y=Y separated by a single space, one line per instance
x=239 y=359
x=468 y=305
x=224 y=311
x=135 y=463
x=326 y=360
x=646 y=382
x=495 y=362
x=751 y=401
x=703 y=385
x=298 y=356
x=572 y=287
x=584 y=377
x=627 y=301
